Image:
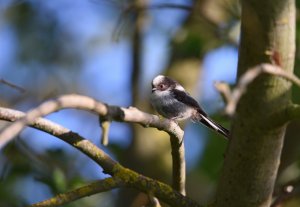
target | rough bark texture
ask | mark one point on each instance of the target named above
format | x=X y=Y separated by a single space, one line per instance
x=253 y=155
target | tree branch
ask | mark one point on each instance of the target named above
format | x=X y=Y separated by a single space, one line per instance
x=179 y=170
x=247 y=78
x=74 y=139
x=127 y=176
x=88 y=190
x=224 y=90
x=116 y=113
x=131 y=114
x=105 y=126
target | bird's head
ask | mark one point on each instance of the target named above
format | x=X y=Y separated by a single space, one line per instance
x=163 y=83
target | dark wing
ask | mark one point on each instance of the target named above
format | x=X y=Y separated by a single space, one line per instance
x=203 y=118
x=185 y=98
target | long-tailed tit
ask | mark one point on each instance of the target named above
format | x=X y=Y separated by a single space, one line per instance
x=170 y=100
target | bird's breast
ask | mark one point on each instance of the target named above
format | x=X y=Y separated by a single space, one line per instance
x=166 y=105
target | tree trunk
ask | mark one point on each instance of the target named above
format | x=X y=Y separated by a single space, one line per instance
x=253 y=154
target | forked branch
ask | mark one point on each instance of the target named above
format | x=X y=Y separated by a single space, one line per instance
x=122 y=175
x=115 y=113
x=232 y=97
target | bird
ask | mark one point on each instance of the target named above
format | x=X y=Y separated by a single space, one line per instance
x=170 y=100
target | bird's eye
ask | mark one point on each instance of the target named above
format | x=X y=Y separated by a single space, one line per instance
x=161 y=86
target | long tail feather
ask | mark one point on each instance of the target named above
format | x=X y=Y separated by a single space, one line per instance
x=214 y=126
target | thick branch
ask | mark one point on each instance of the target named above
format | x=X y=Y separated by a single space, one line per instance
x=127 y=176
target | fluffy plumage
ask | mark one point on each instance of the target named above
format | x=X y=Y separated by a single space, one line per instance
x=171 y=100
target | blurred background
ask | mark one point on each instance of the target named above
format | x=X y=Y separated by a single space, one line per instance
x=110 y=50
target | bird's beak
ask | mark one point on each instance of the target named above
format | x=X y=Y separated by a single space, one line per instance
x=153 y=89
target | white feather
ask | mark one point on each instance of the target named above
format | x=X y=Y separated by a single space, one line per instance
x=179 y=87
x=213 y=125
x=158 y=79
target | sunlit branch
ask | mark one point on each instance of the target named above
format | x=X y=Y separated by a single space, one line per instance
x=112 y=113
x=66 y=135
x=131 y=114
x=105 y=126
x=179 y=168
x=248 y=78
x=224 y=90
x=129 y=177
x=115 y=113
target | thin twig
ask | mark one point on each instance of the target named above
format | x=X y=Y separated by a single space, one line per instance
x=12 y=85
x=224 y=90
x=104 y=122
x=249 y=76
x=105 y=126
